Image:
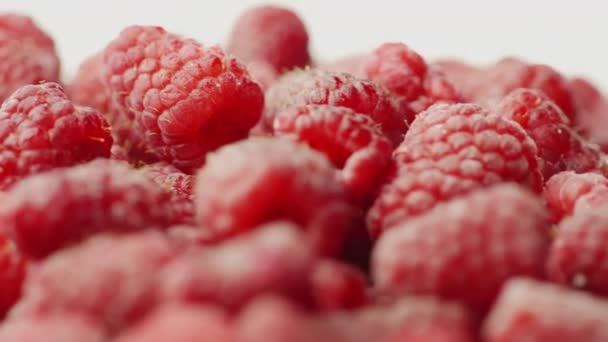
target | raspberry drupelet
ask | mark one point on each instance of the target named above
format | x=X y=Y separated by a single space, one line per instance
x=566 y=189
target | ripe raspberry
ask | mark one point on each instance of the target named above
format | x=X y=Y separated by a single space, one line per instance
x=27 y=54
x=350 y=64
x=591 y=110
x=462 y=75
x=263 y=73
x=12 y=273
x=261 y=180
x=270 y=34
x=49 y=211
x=538 y=312
x=55 y=328
x=558 y=145
x=578 y=253
x=337 y=286
x=452 y=254
x=405 y=73
x=270 y=260
x=181 y=323
x=179 y=185
x=181 y=99
x=87 y=89
x=315 y=86
x=41 y=129
x=565 y=189
x=449 y=151
x=108 y=278
x=352 y=141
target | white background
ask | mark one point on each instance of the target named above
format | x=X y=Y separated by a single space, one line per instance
x=569 y=35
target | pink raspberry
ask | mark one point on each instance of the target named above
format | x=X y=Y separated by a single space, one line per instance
x=270 y=34
x=41 y=129
x=449 y=151
x=181 y=99
x=558 y=145
x=87 y=89
x=451 y=253
x=263 y=73
x=27 y=54
x=352 y=141
x=181 y=323
x=109 y=278
x=262 y=180
x=565 y=189
x=271 y=260
x=462 y=75
x=538 y=312
x=178 y=184
x=592 y=110
x=315 y=86
x=52 y=210
x=338 y=286
x=54 y=328
x=12 y=273
x=353 y=64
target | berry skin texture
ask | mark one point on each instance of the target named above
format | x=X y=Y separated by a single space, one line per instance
x=450 y=253
x=179 y=185
x=40 y=129
x=181 y=323
x=53 y=328
x=52 y=210
x=532 y=311
x=338 y=286
x=352 y=141
x=578 y=254
x=564 y=190
x=261 y=180
x=108 y=278
x=27 y=54
x=271 y=260
x=315 y=86
x=180 y=99
x=270 y=34
x=449 y=151
x=12 y=273
x=558 y=145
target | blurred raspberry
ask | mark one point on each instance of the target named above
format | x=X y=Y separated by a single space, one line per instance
x=337 y=286
x=270 y=34
x=462 y=75
x=350 y=64
x=263 y=73
x=592 y=110
x=12 y=272
x=565 y=189
x=179 y=185
x=180 y=99
x=52 y=210
x=27 y=54
x=52 y=328
x=40 y=129
x=87 y=89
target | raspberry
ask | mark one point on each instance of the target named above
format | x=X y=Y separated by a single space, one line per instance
x=269 y=260
x=578 y=255
x=263 y=73
x=41 y=129
x=565 y=189
x=461 y=75
x=537 y=312
x=270 y=34
x=12 y=273
x=87 y=89
x=181 y=99
x=352 y=141
x=181 y=324
x=558 y=145
x=55 y=328
x=405 y=73
x=108 y=278
x=27 y=54
x=592 y=110
x=179 y=185
x=314 y=86
x=350 y=64
x=337 y=286
x=49 y=211
x=455 y=255
x=262 y=179
x=451 y=150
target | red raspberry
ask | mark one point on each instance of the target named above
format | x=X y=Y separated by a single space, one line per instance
x=405 y=73
x=538 y=312
x=578 y=253
x=558 y=145
x=27 y=54
x=337 y=286
x=565 y=189
x=270 y=34
x=270 y=260
x=55 y=328
x=261 y=180
x=108 y=278
x=451 y=150
x=178 y=184
x=41 y=129
x=315 y=86
x=462 y=75
x=12 y=273
x=592 y=111
x=181 y=324
x=352 y=141
x=263 y=73
x=49 y=211
x=450 y=253
x=87 y=89
x=182 y=99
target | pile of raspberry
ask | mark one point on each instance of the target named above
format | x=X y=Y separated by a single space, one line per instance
x=178 y=191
